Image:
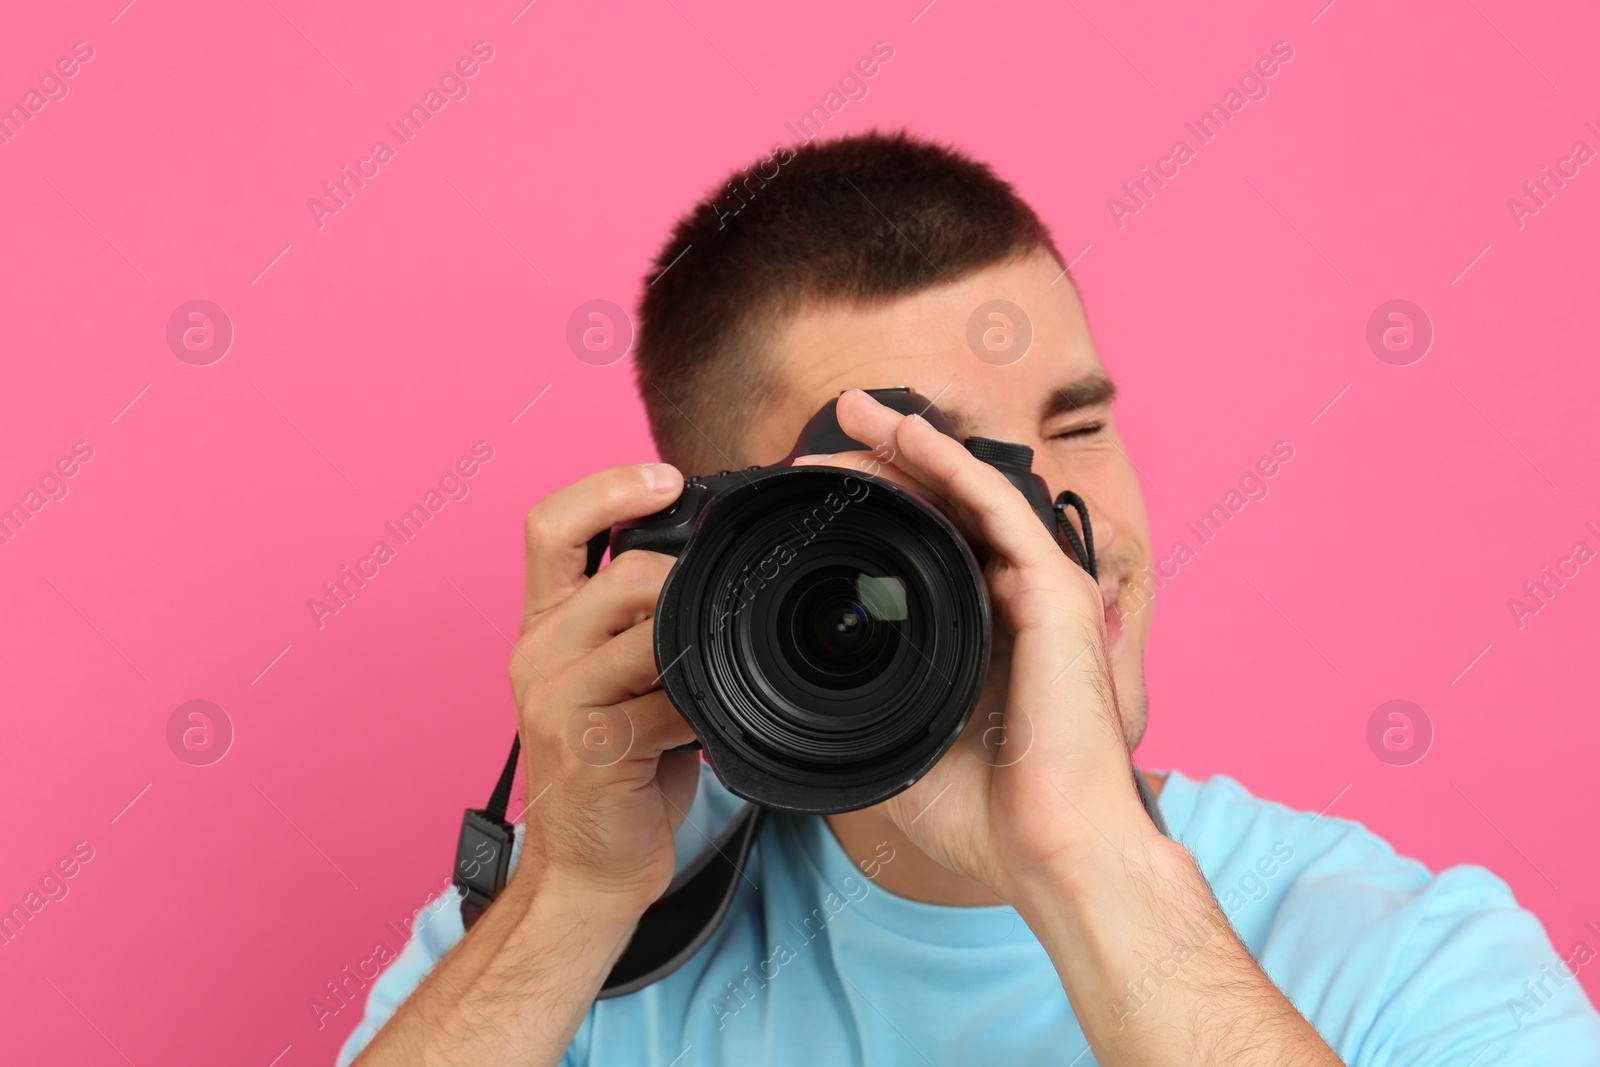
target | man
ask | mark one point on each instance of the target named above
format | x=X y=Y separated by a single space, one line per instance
x=1002 y=910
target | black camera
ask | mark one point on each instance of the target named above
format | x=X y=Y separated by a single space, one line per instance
x=824 y=632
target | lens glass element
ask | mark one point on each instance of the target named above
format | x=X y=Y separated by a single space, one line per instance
x=844 y=630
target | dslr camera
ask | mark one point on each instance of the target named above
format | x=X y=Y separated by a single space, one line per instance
x=824 y=632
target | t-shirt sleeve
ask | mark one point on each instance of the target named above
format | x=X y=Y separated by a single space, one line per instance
x=434 y=931
x=1403 y=969
x=1478 y=981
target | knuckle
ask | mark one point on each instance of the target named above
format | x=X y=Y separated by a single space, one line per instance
x=522 y=654
x=541 y=527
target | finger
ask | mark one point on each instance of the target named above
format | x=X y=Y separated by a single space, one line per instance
x=621 y=669
x=985 y=503
x=558 y=528
x=657 y=726
x=880 y=423
x=678 y=777
x=624 y=736
x=872 y=463
x=622 y=595
x=906 y=476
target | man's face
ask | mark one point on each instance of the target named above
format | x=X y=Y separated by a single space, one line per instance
x=1054 y=399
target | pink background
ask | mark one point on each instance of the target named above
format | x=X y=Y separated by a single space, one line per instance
x=432 y=309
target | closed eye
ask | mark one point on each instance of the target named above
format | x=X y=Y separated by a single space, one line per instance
x=1086 y=430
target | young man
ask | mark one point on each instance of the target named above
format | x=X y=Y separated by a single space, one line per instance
x=1002 y=910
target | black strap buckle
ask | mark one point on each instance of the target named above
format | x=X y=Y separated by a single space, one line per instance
x=668 y=933
x=483 y=851
x=483 y=861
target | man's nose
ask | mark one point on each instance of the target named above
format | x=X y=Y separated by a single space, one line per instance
x=1105 y=531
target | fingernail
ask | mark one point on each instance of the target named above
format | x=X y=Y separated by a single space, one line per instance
x=657 y=476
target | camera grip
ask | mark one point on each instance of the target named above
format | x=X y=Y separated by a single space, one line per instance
x=668 y=530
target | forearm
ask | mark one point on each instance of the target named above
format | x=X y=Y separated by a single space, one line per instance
x=516 y=988
x=1154 y=972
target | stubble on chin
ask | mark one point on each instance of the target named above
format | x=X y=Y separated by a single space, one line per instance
x=1127 y=656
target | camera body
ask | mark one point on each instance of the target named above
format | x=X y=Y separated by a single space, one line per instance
x=824 y=632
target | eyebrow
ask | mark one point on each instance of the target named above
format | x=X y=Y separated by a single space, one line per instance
x=1091 y=391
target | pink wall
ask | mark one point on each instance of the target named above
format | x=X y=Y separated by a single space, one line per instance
x=371 y=352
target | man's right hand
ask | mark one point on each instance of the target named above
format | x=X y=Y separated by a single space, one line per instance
x=604 y=796
x=594 y=721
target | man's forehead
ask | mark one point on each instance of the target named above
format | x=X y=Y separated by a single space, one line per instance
x=921 y=341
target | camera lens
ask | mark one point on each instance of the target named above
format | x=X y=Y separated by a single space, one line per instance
x=830 y=644
x=826 y=635
x=841 y=627
x=839 y=635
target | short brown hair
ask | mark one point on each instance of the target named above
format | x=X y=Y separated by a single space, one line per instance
x=856 y=220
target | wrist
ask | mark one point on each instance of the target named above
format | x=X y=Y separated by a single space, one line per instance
x=525 y=974
x=1085 y=848
x=557 y=895
x=1148 y=958
x=1114 y=875
x=1110 y=918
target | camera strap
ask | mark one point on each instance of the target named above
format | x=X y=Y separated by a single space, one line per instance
x=695 y=904
x=1082 y=548
x=668 y=933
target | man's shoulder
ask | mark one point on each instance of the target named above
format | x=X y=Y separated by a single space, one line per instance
x=1380 y=951
x=1261 y=856
x=1231 y=831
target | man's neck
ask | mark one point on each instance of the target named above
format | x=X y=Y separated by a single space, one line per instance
x=869 y=838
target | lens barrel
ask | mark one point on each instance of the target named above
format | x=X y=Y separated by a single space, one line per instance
x=825 y=634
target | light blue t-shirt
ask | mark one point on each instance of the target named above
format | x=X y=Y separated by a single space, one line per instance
x=1394 y=967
